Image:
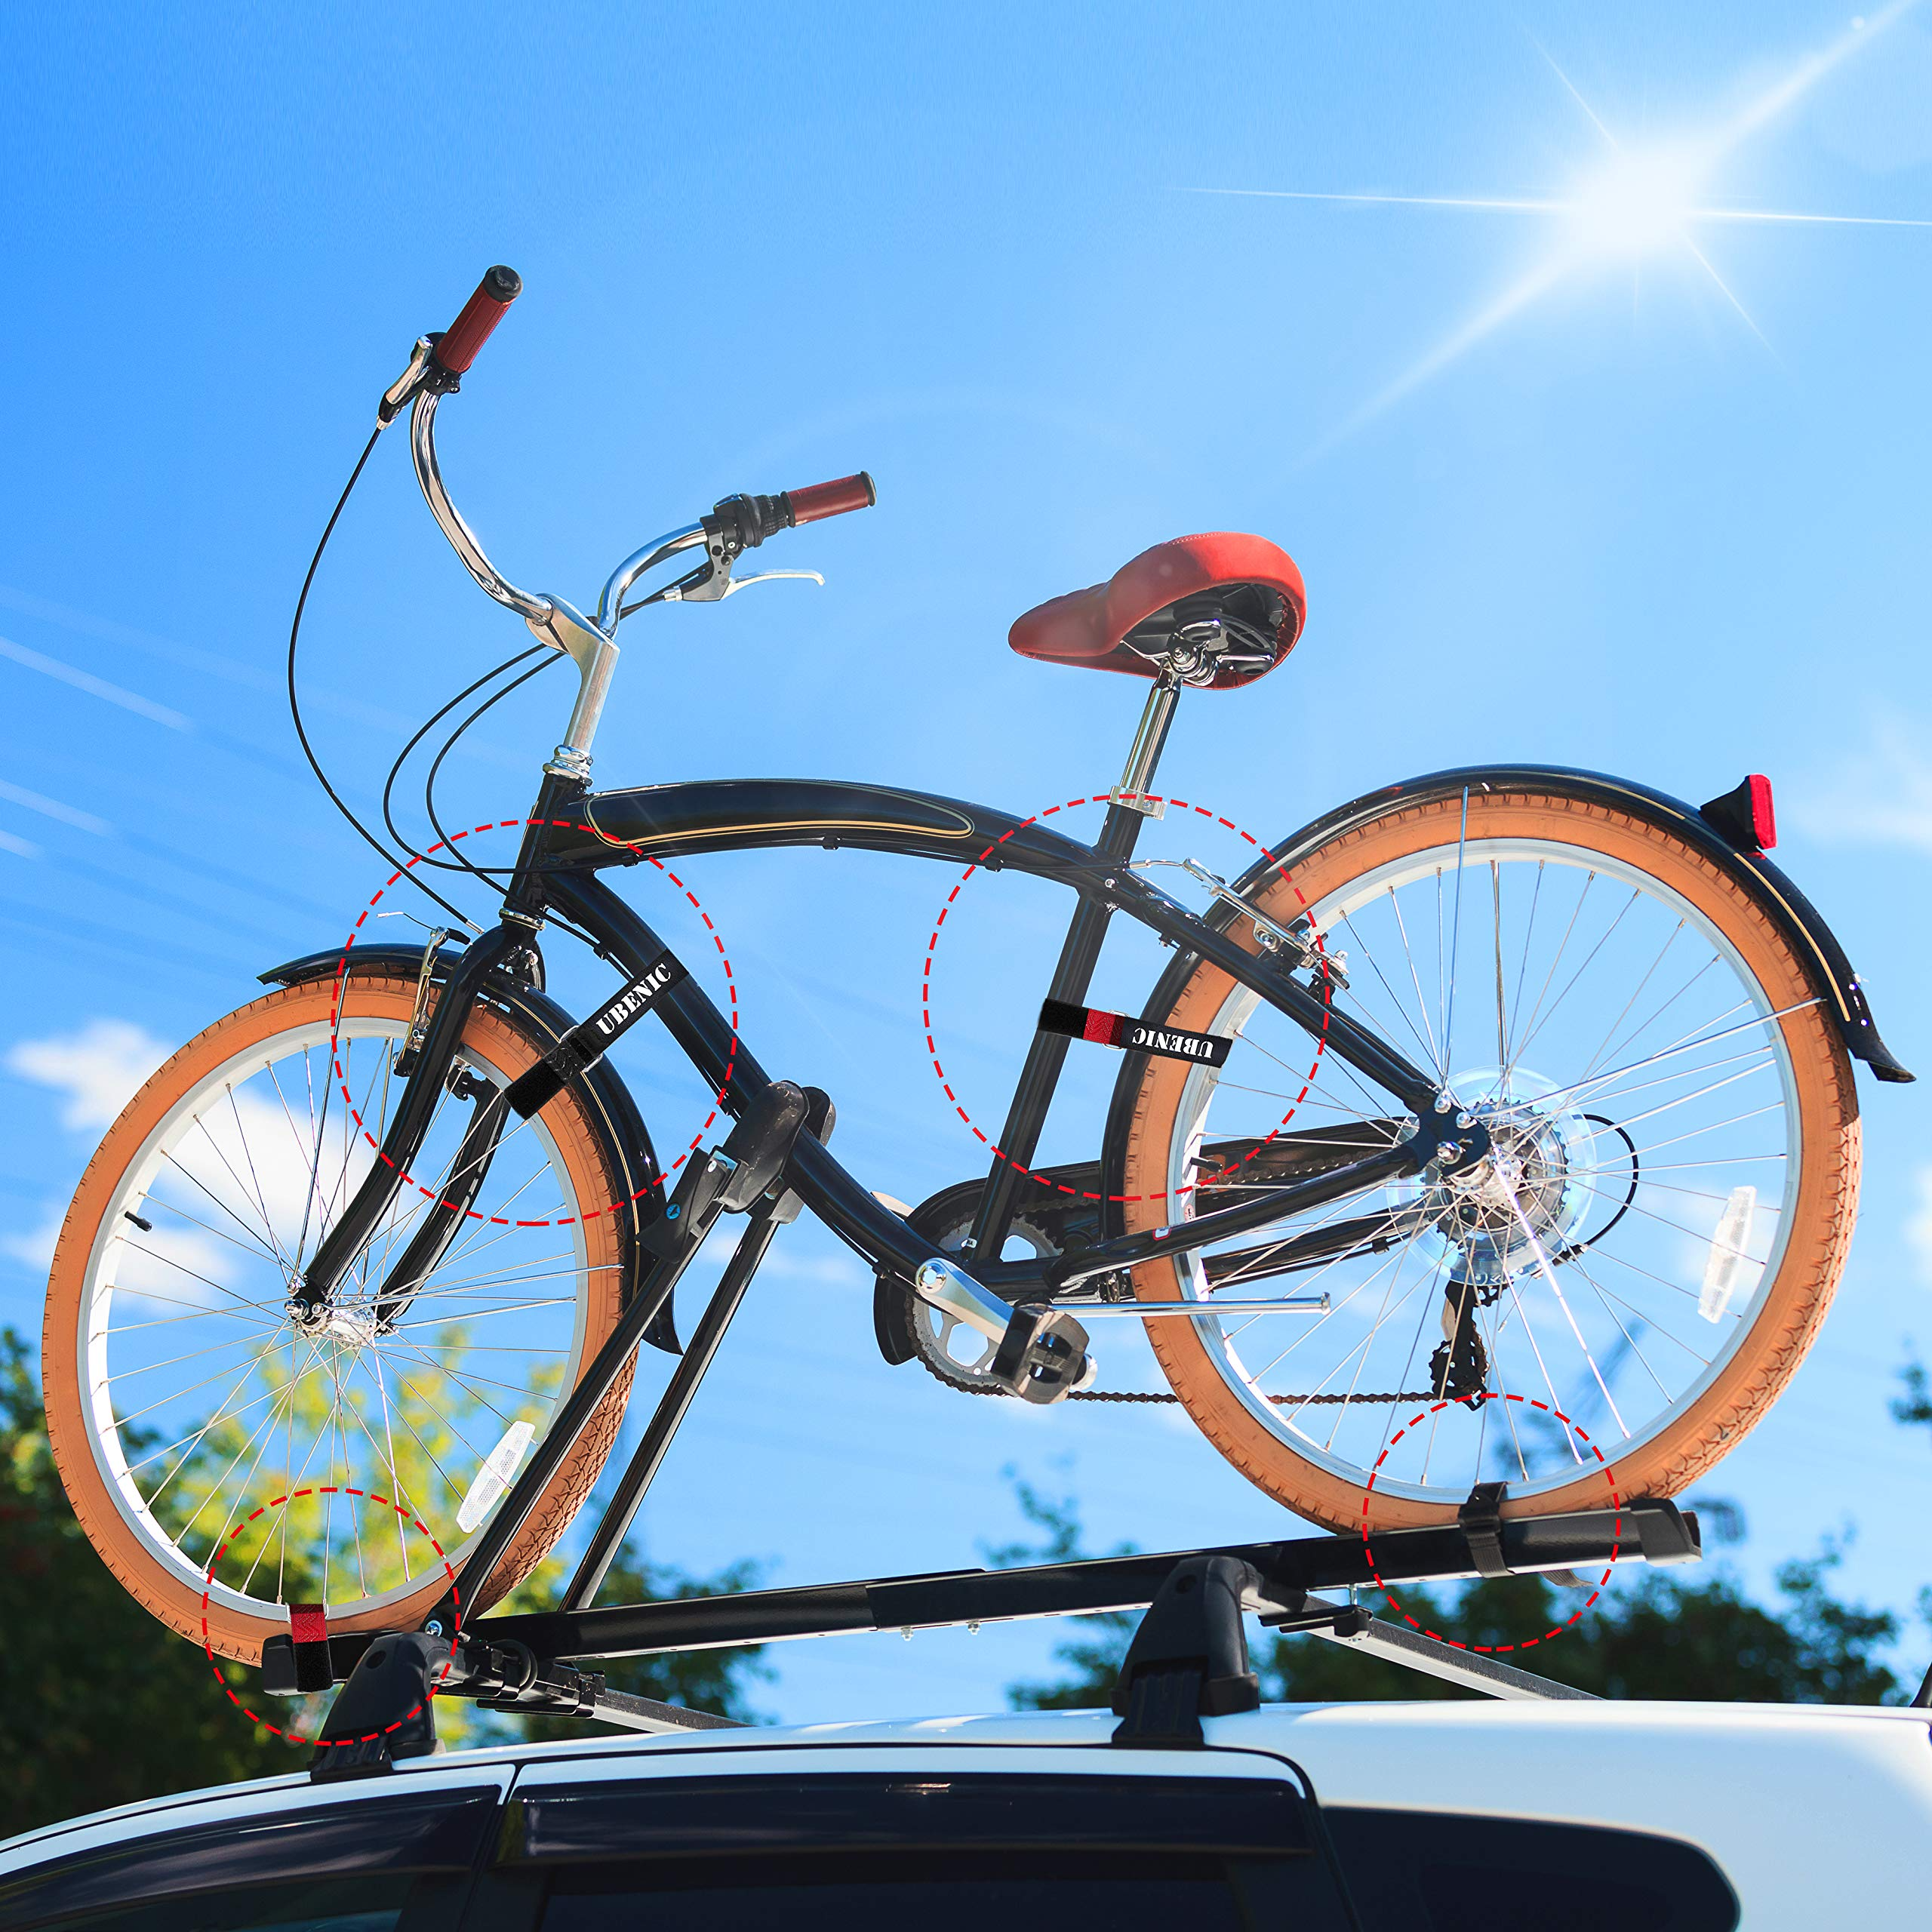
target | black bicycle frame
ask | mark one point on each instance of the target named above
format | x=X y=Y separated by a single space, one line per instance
x=574 y=835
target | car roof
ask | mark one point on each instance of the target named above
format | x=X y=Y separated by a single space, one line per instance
x=1611 y=1762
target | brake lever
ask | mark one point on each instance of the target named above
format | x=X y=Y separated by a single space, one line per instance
x=739 y=583
x=712 y=582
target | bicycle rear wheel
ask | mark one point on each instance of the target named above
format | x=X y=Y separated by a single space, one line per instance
x=182 y=1401
x=1649 y=1251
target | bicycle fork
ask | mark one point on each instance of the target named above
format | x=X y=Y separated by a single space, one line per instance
x=402 y=1142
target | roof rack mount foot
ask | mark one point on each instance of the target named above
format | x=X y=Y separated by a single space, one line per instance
x=1189 y=1658
x=387 y=1710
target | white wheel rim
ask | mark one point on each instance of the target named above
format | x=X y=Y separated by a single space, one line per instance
x=1229 y=1343
x=103 y=1298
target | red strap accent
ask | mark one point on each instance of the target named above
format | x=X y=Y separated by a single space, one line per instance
x=308 y=1623
x=1098 y=1026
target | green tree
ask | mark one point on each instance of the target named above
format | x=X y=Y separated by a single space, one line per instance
x=100 y=1704
x=1664 y=1634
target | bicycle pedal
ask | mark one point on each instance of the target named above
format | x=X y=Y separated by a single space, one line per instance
x=1043 y=1356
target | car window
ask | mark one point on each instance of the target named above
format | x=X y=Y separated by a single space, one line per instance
x=351 y=1864
x=338 y=1904
x=931 y=1852
x=918 y=1891
x=1437 y=1872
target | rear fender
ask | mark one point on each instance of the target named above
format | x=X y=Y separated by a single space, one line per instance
x=1796 y=918
x=626 y=1139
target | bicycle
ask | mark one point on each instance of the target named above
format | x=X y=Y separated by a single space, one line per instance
x=1622 y=1190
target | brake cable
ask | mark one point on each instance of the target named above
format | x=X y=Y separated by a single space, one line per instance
x=453 y=864
x=449 y=845
x=295 y=705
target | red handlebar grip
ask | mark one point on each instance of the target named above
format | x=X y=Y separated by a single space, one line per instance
x=823 y=499
x=455 y=349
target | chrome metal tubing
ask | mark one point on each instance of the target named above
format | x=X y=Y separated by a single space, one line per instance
x=1144 y=755
x=634 y=566
x=1141 y=1311
x=535 y=610
x=955 y=1293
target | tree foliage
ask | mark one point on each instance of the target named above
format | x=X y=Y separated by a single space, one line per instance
x=100 y=1704
x=1662 y=1634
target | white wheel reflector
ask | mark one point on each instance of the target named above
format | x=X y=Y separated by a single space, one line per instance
x=498 y=1466
x=1726 y=1258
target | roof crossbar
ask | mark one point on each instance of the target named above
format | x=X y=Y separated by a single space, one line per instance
x=1285 y=1574
x=529 y=1661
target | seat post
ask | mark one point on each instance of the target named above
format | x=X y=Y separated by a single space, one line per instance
x=1143 y=755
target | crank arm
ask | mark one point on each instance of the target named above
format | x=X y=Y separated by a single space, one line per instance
x=1043 y=1355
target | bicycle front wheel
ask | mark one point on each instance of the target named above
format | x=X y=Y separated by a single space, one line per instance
x=1640 y=1265
x=196 y=1423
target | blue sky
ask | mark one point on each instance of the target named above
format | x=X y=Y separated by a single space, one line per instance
x=1665 y=519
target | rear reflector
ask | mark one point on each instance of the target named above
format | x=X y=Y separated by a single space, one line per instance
x=1744 y=815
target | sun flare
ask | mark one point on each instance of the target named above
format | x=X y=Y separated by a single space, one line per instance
x=1639 y=203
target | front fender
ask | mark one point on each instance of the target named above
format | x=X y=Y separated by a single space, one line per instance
x=1799 y=921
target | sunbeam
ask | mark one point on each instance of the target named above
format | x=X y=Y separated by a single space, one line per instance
x=1642 y=203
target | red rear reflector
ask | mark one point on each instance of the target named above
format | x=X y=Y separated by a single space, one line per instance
x=1764 y=818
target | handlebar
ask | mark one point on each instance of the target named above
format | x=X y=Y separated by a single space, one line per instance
x=745 y=522
x=455 y=348
x=737 y=524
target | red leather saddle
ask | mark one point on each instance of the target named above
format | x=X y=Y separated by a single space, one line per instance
x=1227 y=608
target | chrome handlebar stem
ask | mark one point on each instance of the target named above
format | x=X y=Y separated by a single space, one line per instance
x=590 y=644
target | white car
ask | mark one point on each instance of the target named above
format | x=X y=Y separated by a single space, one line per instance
x=1413 y=1817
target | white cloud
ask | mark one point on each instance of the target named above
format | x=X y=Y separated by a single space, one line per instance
x=1884 y=799
x=100 y=1069
x=35 y=1246
x=1919 y=1229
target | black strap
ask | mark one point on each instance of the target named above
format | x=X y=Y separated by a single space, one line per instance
x=583 y=1047
x=1481 y=1519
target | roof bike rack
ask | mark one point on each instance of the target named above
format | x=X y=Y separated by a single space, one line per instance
x=1189 y=1658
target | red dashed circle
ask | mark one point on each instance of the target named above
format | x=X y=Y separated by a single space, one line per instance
x=1616 y=1535
x=926 y=981
x=410 y=1517
x=471 y=1213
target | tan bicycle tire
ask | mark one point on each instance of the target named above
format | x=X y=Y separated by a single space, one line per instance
x=162 y=1591
x=1791 y=1306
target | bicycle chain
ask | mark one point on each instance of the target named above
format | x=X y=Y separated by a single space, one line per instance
x=1130 y=1395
